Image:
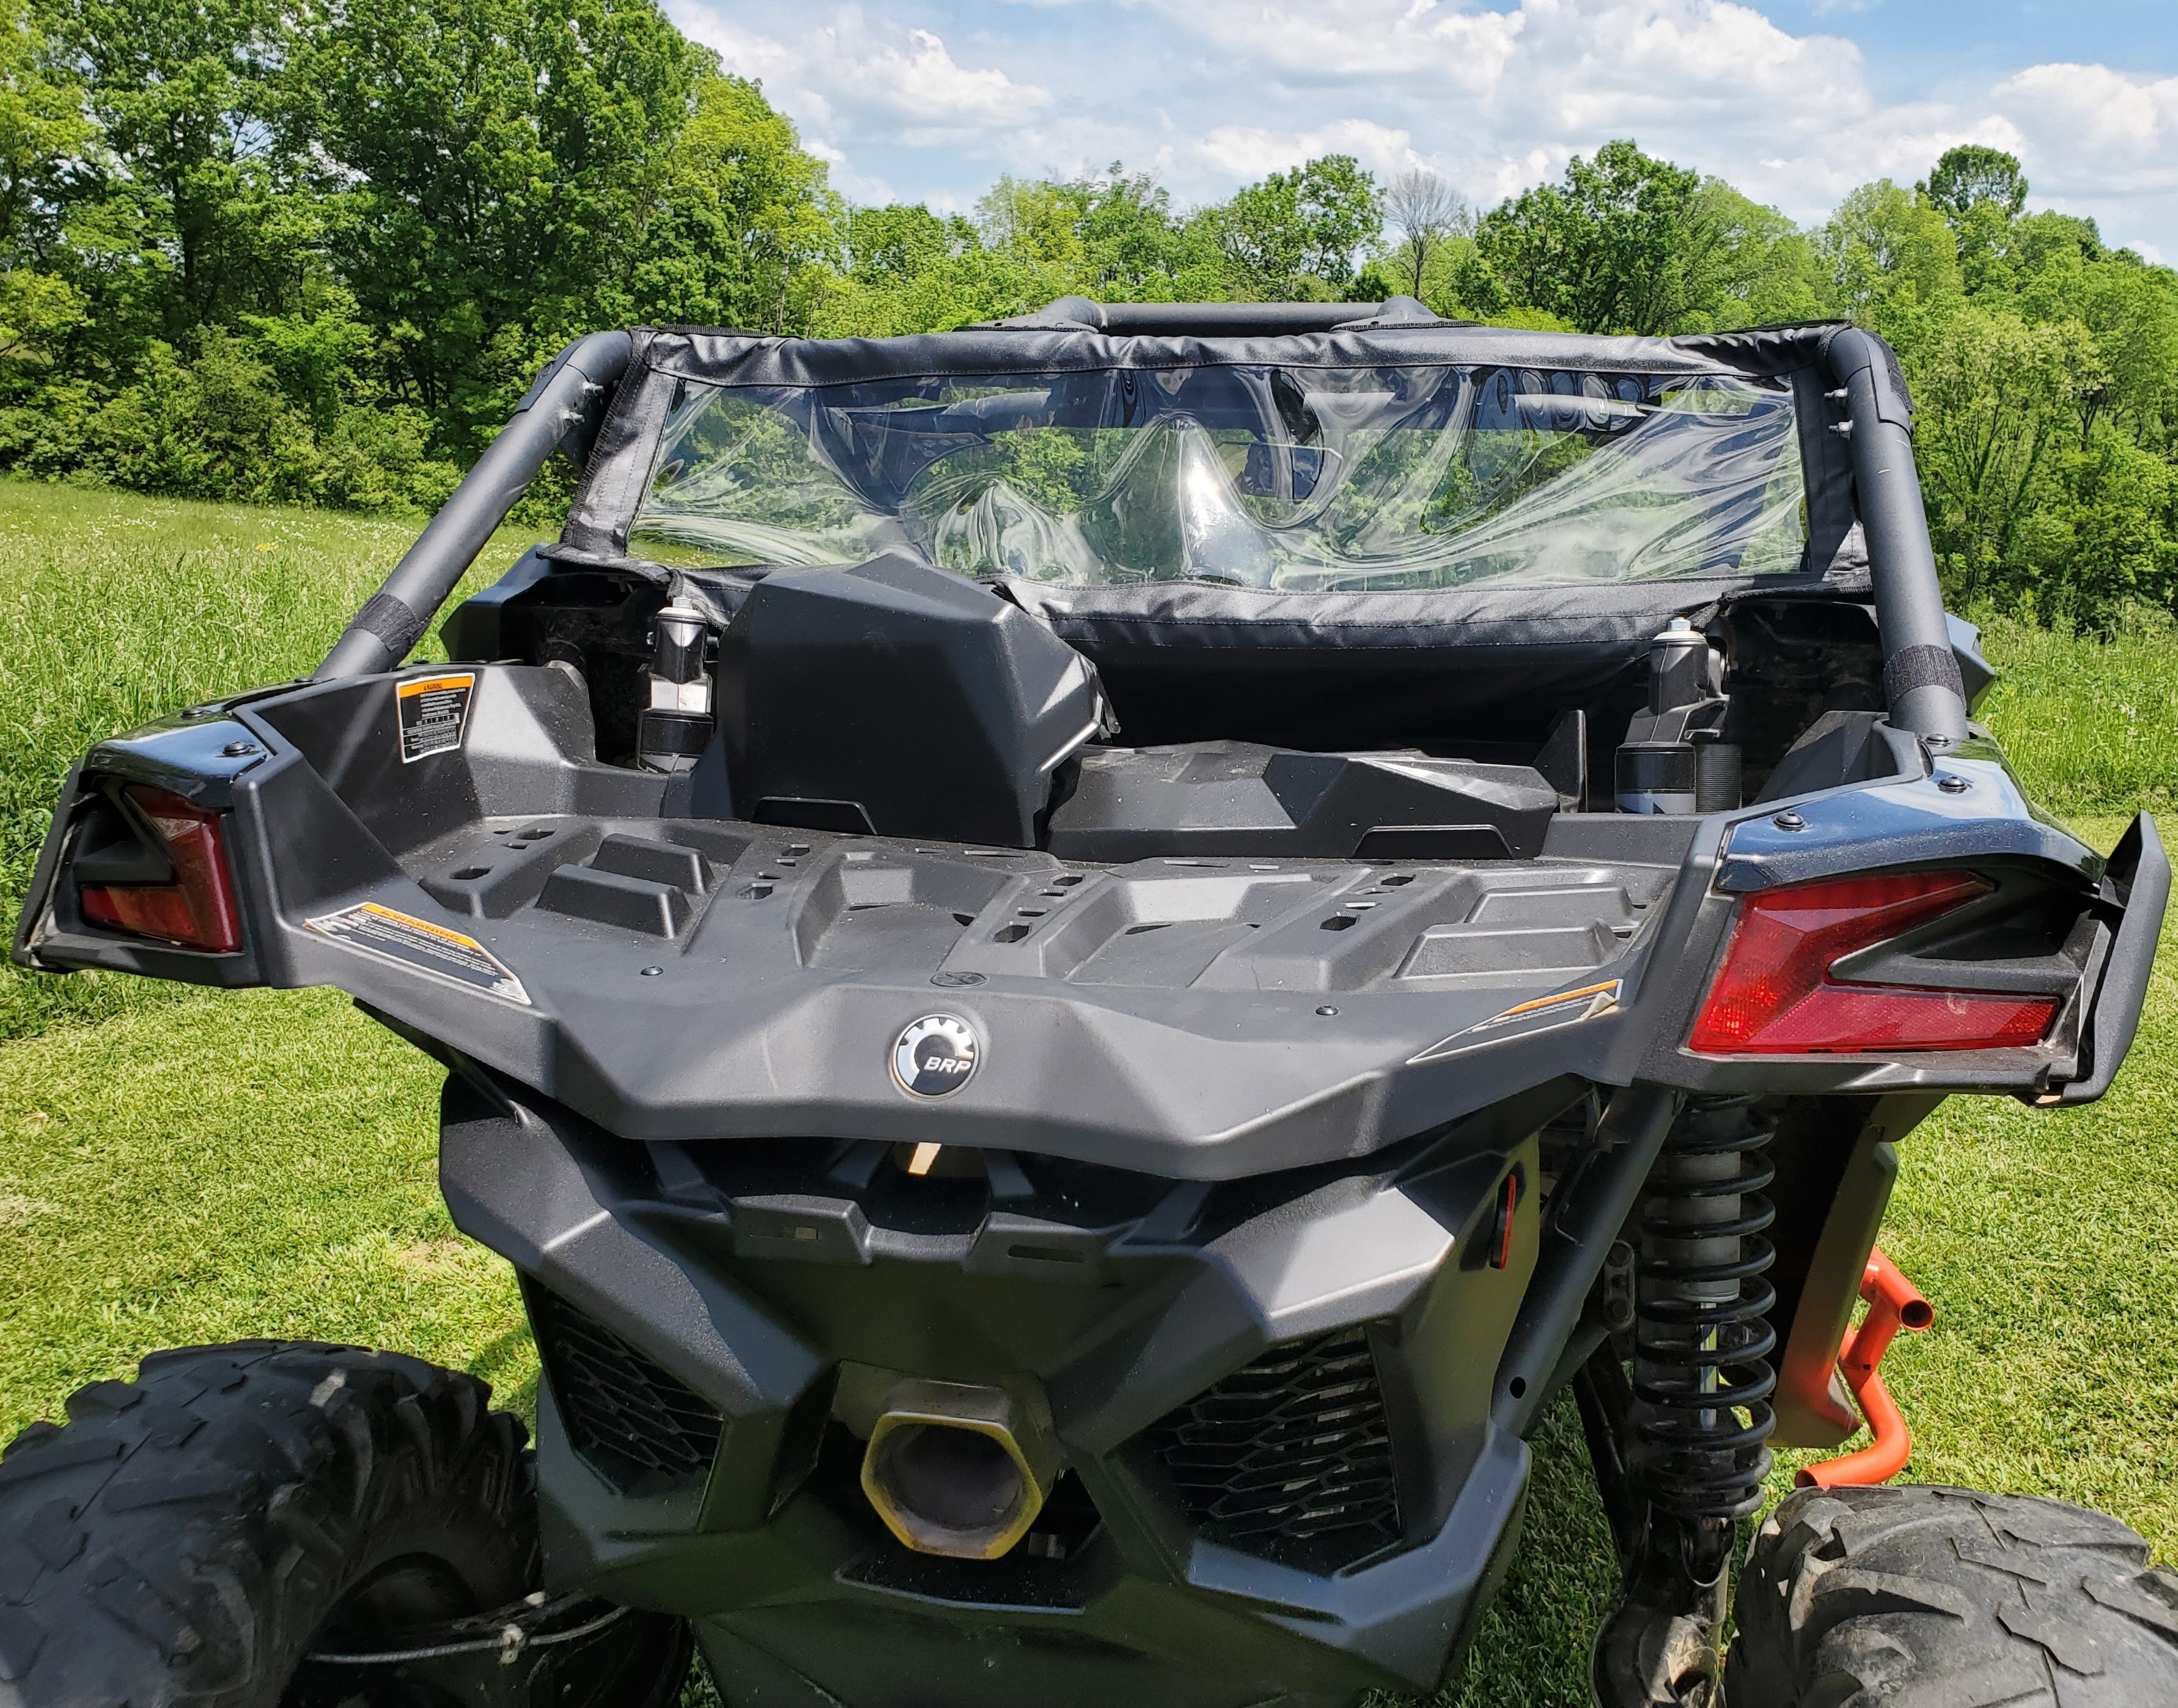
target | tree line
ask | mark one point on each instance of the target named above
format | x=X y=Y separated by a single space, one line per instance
x=313 y=250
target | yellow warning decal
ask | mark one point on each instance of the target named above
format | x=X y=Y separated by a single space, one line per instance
x=1539 y=1014
x=1601 y=998
x=435 y=714
x=421 y=946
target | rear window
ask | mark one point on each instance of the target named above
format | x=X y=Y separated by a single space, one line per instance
x=1334 y=480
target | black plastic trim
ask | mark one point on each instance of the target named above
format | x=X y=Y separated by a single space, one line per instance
x=2141 y=871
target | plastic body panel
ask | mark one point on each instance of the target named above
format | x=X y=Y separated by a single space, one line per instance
x=1165 y=1015
x=1238 y=798
x=895 y=699
x=671 y=1249
x=1837 y=1159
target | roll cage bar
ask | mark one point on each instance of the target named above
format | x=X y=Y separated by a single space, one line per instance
x=566 y=407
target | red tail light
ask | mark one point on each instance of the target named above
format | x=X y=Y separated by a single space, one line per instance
x=196 y=909
x=1774 y=994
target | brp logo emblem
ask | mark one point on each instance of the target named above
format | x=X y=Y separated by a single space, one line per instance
x=935 y=1056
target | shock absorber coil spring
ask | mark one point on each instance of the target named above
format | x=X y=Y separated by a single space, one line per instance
x=1702 y=1339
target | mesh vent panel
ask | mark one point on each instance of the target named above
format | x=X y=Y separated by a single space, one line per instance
x=636 y=1425
x=1291 y=1458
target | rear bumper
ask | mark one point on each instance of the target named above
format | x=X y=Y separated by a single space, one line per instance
x=771 y=1548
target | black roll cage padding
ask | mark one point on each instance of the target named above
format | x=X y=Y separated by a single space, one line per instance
x=1921 y=679
x=564 y=405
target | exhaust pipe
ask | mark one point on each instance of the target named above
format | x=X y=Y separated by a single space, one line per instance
x=958 y=1471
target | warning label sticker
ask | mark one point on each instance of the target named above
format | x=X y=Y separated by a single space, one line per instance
x=1544 y=1014
x=422 y=947
x=435 y=710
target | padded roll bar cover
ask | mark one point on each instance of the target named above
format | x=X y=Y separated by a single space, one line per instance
x=1921 y=678
x=900 y=698
x=564 y=404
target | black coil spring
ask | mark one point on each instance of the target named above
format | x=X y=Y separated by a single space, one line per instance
x=1702 y=1338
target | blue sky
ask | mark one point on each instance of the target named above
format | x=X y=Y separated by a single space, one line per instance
x=1795 y=101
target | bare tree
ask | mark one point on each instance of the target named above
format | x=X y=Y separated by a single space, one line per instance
x=1427 y=213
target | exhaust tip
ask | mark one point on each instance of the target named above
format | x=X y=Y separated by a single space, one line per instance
x=956 y=1470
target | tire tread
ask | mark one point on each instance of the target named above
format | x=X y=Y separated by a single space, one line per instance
x=176 y=1544
x=1936 y=1597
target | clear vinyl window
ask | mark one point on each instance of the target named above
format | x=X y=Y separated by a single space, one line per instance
x=1335 y=479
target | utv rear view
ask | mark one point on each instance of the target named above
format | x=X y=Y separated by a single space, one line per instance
x=1081 y=963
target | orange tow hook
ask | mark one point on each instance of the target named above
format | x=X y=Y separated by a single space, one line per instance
x=1893 y=1303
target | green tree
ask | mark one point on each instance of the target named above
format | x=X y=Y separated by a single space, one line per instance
x=1764 y=270
x=201 y=212
x=45 y=134
x=1979 y=192
x=1892 y=259
x=504 y=161
x=744 y=225
x=1111 y=236
x=895 y=242
x=1624 y=243
x=1298 y=233
x=2105 y=538
x=1037 y=220
x=909 y=271
x=1136 y=250
x=1970 y=177
x=1430 y=216
x=1997 y=402
x=45 y=139
x=2130 y=308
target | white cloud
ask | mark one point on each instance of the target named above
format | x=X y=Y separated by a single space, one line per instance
x=852 y=76
x=936 y=96
x=2093 y=124
x=1343 y=39
x=1245 y=152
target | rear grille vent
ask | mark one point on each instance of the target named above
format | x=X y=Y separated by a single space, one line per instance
x=637 y=1425
x=1291 y=1458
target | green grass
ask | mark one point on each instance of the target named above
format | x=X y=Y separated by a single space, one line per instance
x=2092 y=726
x=195 y=1167
x=115 y=610
x=260 y=1164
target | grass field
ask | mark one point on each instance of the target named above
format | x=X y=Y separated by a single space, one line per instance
x=115 y=609
x=176 y=1166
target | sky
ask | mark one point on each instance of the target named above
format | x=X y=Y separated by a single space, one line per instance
x=1793 y=102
